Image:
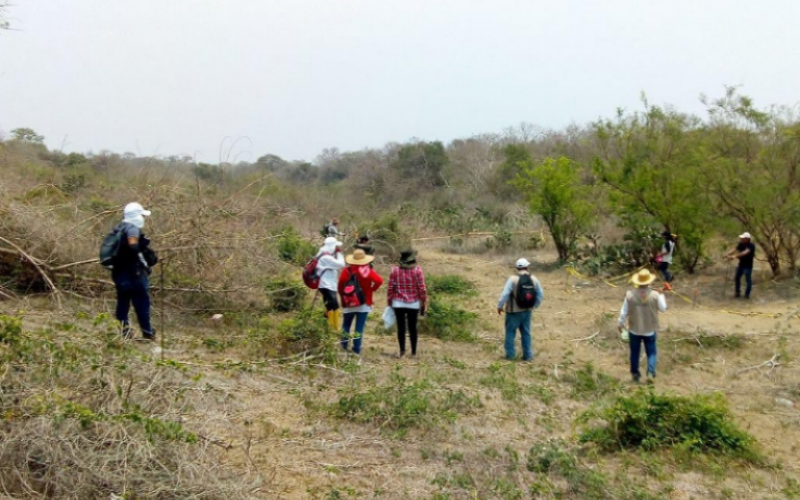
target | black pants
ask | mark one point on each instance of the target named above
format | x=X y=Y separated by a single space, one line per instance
x=134 y=287
x=664 y=268
x=407 y=321
x=330 y=300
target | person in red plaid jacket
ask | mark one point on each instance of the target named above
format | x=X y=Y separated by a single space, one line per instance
x=408 y=297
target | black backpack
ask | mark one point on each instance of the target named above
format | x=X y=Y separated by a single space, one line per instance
x=109 y=249
x=526 y=292
x=352 y=294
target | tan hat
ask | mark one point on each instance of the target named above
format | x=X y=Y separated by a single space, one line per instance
x=643 y=278
x=359 y=258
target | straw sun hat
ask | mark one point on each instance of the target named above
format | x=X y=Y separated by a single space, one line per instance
x=359 y=258
x=643 y=278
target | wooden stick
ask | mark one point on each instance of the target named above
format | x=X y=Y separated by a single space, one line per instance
x=590 y=337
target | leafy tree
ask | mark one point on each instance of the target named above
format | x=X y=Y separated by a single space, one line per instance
x=271 y=162
x=754 y=173
x=653 y=163
x=553 y=191
x=26 y=135
x=424 y=162
x=516 y=157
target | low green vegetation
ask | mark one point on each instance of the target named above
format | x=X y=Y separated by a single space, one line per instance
x=403 y=404
x=448 y=322
x=693 y=425
x=451 y=284
x=285 y=295
x=589 y=383
x=305 y=330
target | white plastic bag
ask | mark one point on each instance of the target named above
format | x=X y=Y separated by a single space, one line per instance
x=389 y=318
x=624 y=335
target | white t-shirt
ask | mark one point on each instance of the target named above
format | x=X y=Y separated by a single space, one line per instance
x=668 y=249
x=396 y=304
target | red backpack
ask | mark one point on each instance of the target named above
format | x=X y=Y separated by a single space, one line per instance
x=310 y=277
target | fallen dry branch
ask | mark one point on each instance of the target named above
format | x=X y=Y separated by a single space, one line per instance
x=771 y=363
x=36 y=263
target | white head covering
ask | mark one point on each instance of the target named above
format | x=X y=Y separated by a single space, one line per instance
x=329 y=245
x=134 y=213
x=745 y=236
x=523 y=263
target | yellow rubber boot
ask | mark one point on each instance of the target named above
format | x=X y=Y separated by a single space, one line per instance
x=333 y=320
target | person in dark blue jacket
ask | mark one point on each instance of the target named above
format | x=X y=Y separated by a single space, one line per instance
x=131 y=271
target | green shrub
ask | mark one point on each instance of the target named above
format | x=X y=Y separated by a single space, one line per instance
x=501 y=240
x=587 y=382
x=552 y=457
x=285 y=295
x=292 y=248
x=451 y=284
x=448 y=322
x=402 y=404
x=306 y=331
x=385 y=229
x=697 y=424
x=10 y=329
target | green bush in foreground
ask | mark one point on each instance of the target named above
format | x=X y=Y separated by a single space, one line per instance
x=697 y=424
x=448 y=322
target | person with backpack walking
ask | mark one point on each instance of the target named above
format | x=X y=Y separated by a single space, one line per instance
x=664 y=258
x=332 y=229
x=745 y=251
x=357 y=283
x=130 y=260
x=330 y=262
x=522 y=294
x=641 y=308
x=408 y=296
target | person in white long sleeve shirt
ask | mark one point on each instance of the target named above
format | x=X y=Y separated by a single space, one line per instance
x=641 y=308
x=330 y=262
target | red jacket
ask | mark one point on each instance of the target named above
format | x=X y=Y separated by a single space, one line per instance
x=372 y=282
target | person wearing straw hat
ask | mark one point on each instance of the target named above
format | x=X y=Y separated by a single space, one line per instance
x=745 y=251
x=131 y=271
x=521 y=295
x=640 y=308
x=408 y=296
x=330 y=262
x=357 y=284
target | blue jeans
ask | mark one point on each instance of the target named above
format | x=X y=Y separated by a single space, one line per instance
x=519 y=321
x=134 y=287
x=361 y=322
x=748 y=277
x=649 y=349
x=664 y=268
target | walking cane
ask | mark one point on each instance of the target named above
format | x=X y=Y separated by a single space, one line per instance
x=727 y=279
x=161 y=292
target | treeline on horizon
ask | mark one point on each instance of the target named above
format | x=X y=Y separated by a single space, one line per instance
x=655 y=169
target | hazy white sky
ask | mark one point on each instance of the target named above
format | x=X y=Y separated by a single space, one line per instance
x=295 y=76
